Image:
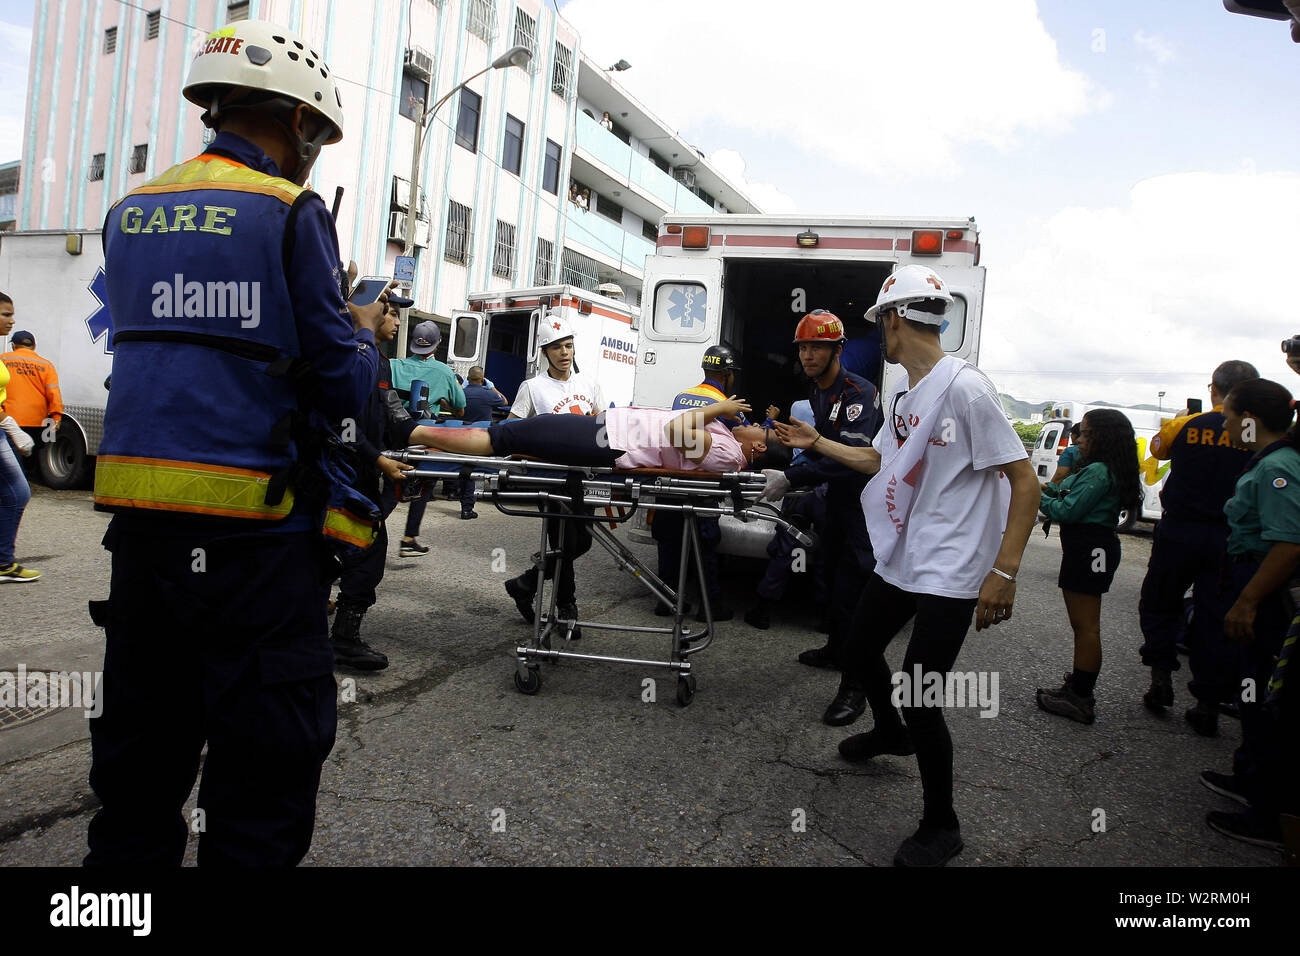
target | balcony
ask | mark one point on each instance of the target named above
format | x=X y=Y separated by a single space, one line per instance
x=627 y=165
x=607 y=239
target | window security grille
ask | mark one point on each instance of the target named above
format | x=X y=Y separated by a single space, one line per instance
x=459 y=233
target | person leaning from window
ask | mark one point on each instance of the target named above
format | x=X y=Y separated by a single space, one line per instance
x=606 y=122
x=1065 y=461
x=1263 y=552
x=1086 y=505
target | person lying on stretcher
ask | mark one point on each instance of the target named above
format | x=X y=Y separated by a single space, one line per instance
x=619 y=438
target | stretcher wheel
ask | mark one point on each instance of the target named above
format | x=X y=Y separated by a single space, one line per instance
x=530 y=681
x=686 y=689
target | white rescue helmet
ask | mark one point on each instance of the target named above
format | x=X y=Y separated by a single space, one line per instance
x=907 y=285
x=259 y=57
x=552 y=329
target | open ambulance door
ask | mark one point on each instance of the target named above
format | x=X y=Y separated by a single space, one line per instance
x=533 y=362
x=468 y=333
x=960 y=333
x=681 y=316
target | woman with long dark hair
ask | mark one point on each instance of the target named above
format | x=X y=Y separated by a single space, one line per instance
x=1086 y=505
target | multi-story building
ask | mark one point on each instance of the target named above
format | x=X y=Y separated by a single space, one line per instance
x=497 y=168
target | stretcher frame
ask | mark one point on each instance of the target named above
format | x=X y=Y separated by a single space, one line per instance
x=563 y=494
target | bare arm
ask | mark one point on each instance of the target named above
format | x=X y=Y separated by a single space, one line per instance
x=997 y=593
x=802 y=435
x=1274 y=570
x=687 y=432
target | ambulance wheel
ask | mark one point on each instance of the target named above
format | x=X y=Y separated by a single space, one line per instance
x=63 y=462
x=529 y=682
x=686 y=689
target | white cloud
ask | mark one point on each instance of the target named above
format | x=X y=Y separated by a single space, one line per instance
x=888 y=88
x=1196 y=269
x=768 y=197
x=1156 y=45
x=15 y=53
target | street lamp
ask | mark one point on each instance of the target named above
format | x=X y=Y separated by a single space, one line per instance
x=515 y=56
x=1162 y=401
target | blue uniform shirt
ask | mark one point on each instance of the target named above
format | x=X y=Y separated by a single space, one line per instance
x=480 y=401
x=847 y=413
x=709 y=392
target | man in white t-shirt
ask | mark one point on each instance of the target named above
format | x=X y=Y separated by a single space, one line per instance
x=935 y=511
x=559 y=389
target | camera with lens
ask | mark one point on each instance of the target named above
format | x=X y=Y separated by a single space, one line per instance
x=1291 y=346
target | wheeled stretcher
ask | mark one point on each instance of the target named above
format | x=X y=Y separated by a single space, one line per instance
x=572 y=492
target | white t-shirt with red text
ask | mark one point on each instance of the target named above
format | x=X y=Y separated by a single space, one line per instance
x=543 y=395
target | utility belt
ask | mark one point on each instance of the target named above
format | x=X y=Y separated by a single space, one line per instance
x=318 y=481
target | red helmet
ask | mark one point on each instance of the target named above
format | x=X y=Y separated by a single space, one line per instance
x=820 y=326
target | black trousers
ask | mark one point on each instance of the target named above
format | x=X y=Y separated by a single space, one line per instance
x=363 y=572
x=219 y=641
x=937 y=636
x=848 y=561
x=667 y=530
x=1188 y=554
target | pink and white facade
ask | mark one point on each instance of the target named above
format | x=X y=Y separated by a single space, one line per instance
x=105 y=78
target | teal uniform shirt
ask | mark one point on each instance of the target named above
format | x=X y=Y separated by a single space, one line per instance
x=1265 y=508
x=438 y=375
x=1087 y=496
x=1068 y=457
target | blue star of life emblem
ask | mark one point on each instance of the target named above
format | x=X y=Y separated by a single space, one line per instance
x=683 y=308
x=100 y=322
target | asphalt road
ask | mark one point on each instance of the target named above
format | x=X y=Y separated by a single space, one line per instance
x=439 y=760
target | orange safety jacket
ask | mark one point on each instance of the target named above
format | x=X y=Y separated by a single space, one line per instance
x=33 y=388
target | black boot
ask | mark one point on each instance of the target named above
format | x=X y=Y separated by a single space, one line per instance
x=1204 y=718
x=523 y=589
x=821 y=657
x=849 y=703
x=1161 y=693
x=759 y=615
x=569 y=612
x=349 y=649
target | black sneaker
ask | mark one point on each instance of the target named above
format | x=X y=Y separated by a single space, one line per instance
x=759 y=616
x=1066 y=703
x=468 y=515
x=1161 y=693
x=862 y=747
x=412 y=549
x=357 y=654
x=929 y=846
x=523 y=597
x=820 y=657
x=1247 y=827
x=1204 y=718
x=1225 y=785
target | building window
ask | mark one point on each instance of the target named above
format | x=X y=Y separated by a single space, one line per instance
x=236 y=10
x=110 y=40
x=459 y=221
x=650 y=230
x=139 y=157
x=526 y=33
x=706 y=196
x=152 y=21
x=551 y=172
x=608 y=208
x=512 y=154
x=544 y=268
x=467 y=122
x=503 y=255
x=482 y=20
x=620 y=131
x=96 y=172
x=659 y=161
x=577 y=269
x=415 y=94
x=563 y=68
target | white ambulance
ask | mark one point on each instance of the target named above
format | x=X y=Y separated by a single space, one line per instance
x=499 y=332
x=746 y=280
x=56 y=280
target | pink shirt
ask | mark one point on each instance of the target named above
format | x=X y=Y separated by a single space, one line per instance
x=639 y=432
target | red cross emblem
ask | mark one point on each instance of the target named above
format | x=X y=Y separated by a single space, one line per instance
x=888 y=283
x=556 y=326
x=934 y=282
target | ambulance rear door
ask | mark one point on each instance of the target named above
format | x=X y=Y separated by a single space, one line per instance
x=681 y=310
x=468 y=340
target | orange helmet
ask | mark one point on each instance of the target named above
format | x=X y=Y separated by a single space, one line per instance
x=820 y=326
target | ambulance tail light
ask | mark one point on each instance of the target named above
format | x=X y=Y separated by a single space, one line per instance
x=584 y=307
x=673 y=230
x=927 y=242
x=695 y=237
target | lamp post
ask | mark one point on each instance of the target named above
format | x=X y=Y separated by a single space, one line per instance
x=515 y=56
x=1162 y=401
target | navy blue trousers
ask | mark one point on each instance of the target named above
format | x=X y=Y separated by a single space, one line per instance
x=227 y=648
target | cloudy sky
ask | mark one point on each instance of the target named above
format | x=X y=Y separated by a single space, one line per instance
x=1134 y=166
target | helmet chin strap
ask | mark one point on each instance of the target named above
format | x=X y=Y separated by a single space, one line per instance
x=305 y=151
